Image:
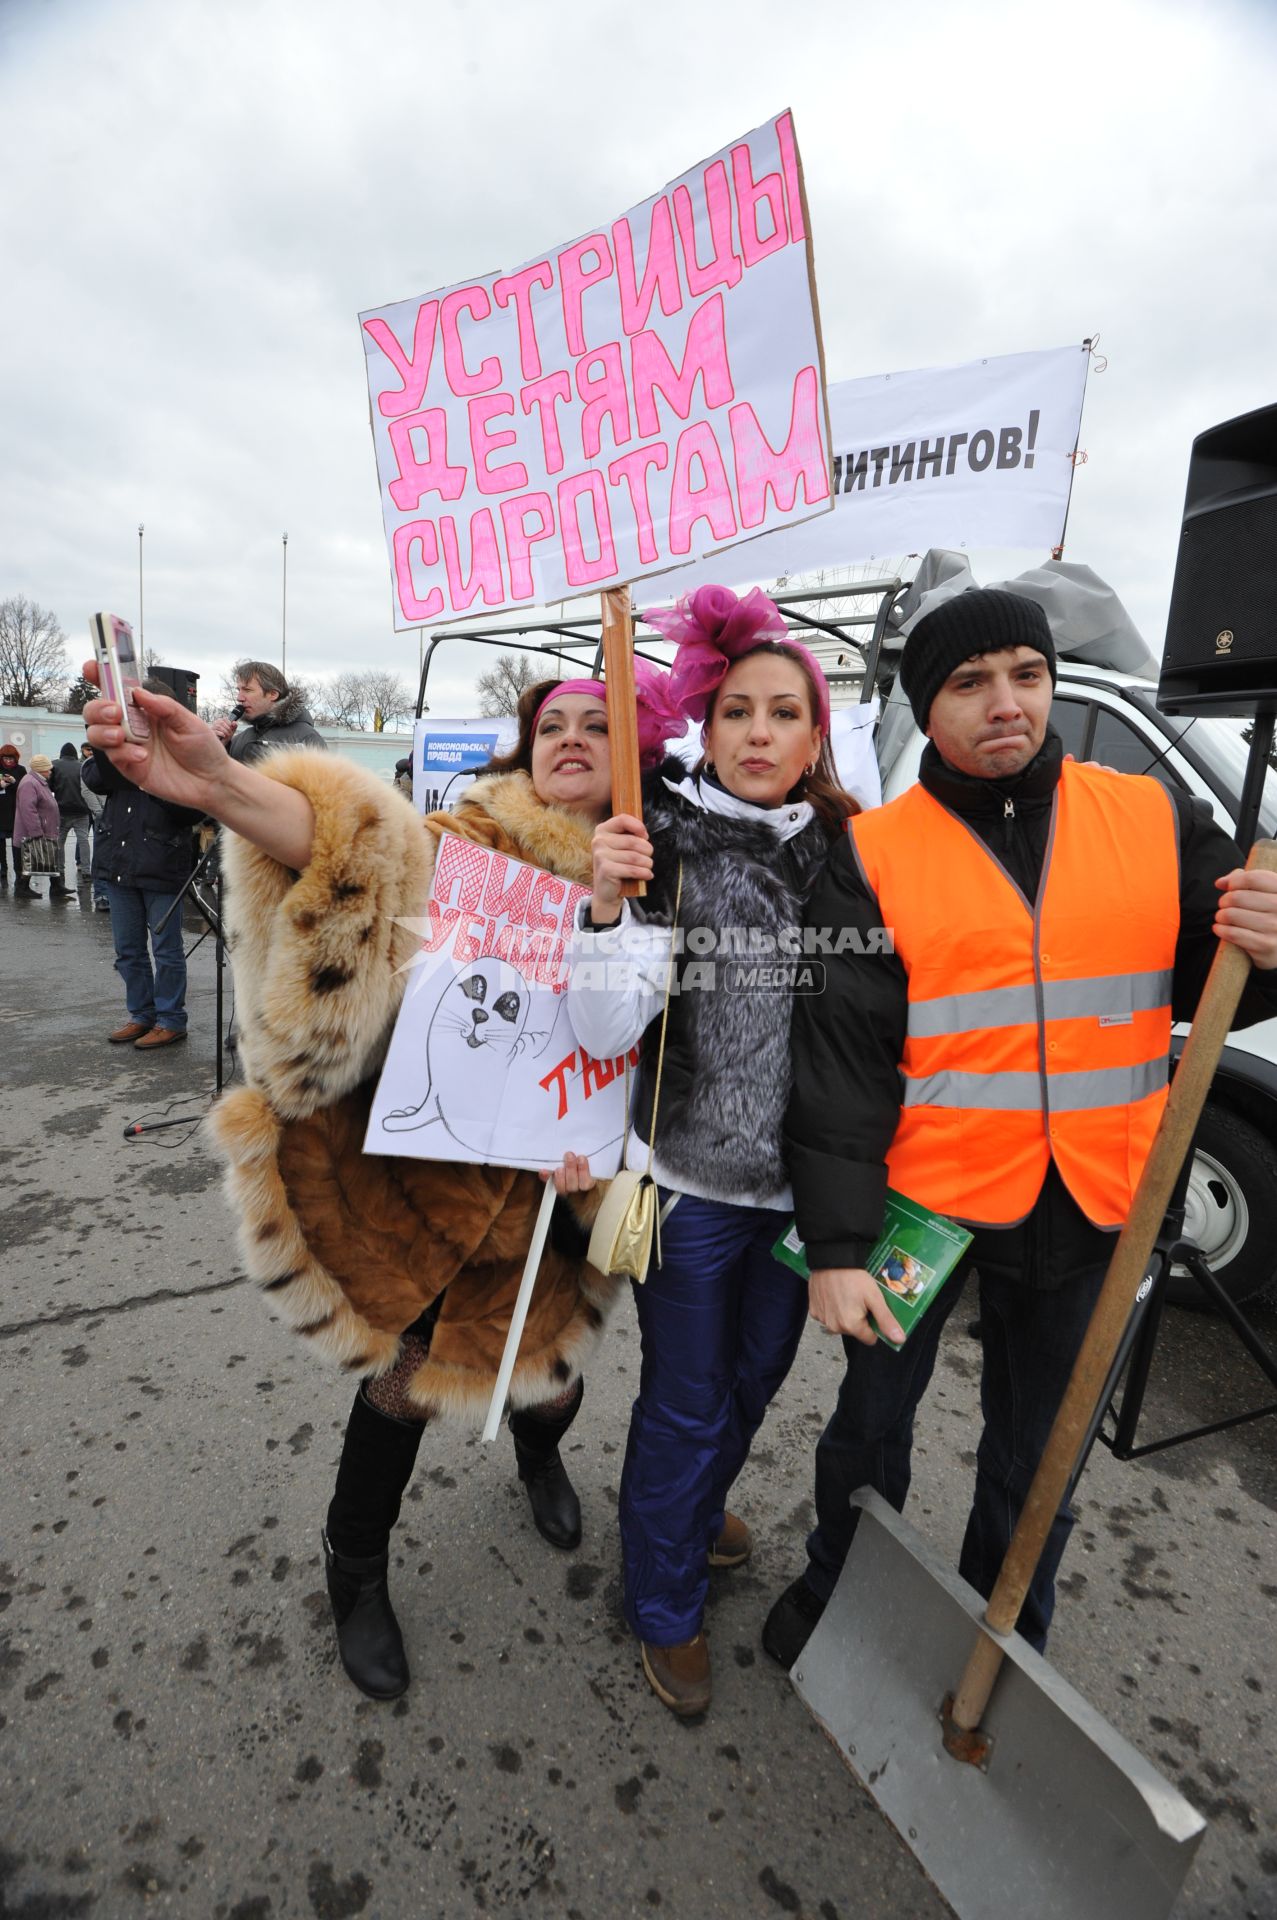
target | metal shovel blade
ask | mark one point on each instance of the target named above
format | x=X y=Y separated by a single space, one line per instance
x=1068 y=1822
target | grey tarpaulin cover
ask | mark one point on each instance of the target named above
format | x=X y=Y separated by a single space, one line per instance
x=1088 y=623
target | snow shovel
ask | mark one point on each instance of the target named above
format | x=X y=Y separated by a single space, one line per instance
x=1016 y=1797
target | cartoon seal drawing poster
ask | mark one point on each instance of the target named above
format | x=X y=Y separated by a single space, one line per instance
x=483 y=1064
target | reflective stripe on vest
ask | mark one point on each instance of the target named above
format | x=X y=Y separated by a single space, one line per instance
x=1022 y=1092
x=1017 y=1047
x=1110 y=993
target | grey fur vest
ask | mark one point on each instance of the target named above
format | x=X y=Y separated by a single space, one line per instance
x=726 y=1078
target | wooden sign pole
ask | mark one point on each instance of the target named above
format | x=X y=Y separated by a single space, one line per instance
x=622 y=718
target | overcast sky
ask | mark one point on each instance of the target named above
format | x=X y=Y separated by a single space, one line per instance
x=198 y=199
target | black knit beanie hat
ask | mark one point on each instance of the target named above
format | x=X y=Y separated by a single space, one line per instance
x=981 y=620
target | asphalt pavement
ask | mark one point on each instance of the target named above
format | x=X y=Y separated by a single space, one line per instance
x=176 y=1736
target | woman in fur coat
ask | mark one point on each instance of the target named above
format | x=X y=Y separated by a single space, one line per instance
x=730 y=854
x=402 y=1271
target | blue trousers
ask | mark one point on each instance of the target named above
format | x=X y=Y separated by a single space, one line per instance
x=720 y=1322
x=156 y=998
x=1030 y=1341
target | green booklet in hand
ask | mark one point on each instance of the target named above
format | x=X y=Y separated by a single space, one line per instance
x=911 y=1259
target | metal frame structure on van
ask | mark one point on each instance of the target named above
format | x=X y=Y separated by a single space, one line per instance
x=799 y=608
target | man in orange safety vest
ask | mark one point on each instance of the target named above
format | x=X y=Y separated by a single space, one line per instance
x=1002 y=1059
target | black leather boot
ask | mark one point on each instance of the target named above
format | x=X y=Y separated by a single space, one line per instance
x=368 y=1637
x=556 y=1511
x=377 y=1459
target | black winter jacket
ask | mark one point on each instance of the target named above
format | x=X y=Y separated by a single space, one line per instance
x=9 y=801
x=64 y=783
x=848 y=1043
x=285 y=724
x=139 y=841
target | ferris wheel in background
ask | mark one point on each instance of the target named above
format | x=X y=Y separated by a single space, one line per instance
x=839 y=594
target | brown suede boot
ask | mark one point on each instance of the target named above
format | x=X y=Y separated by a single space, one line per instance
x=733 y=1545
x=679 y=1675
x=159 y=1037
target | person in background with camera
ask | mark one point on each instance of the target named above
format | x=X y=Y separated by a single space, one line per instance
x=95 y=803
x=729 y=852
x=276 y=716
x=73 y=811
x=141 y=861
x=12 y=773
x=35 y=817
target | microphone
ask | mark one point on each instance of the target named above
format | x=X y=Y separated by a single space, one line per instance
x=237 y=712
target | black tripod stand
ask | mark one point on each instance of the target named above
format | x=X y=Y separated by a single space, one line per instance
x=1172 y=1250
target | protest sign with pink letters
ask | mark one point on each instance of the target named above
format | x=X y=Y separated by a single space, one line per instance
x=643 y=396
x=483 y=1064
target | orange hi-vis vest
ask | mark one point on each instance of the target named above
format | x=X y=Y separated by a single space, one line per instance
x=1035 y=1030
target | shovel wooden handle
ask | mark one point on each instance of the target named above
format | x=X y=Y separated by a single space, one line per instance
x=622 y=716
x=1211 y=1025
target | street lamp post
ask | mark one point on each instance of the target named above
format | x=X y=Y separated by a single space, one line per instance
x=283 y=640
x=141 y=614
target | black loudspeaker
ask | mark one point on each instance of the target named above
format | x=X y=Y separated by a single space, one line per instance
x=182 y=684
x=1221 y=632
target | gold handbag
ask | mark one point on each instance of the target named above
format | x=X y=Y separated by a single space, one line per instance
x=629 y=1220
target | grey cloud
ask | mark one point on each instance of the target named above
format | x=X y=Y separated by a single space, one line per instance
x=213 y=193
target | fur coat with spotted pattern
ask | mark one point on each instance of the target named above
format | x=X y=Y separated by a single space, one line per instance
x=350 y=1248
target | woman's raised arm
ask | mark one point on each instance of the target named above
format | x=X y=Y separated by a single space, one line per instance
x=185 y=762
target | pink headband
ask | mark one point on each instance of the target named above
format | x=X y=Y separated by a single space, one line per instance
x=659 y=718
x=595 y=687
x=714 y=628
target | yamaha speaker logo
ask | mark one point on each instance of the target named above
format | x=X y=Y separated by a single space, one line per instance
x=1224 y=641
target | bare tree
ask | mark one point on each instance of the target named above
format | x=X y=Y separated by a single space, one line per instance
x=33 y=656
x=346 y=702
x=391 y=696
x=499 y=688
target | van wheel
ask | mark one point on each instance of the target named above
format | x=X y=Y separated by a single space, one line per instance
x=1232 y=1196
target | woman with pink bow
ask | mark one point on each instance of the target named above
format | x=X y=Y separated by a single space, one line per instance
x=729 y=852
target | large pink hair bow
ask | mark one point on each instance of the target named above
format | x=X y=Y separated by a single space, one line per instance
x=660 y=719
x=713 y=628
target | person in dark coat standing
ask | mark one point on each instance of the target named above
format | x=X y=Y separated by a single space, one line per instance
x=275 y=713
x=141 y=860
x=95 y=803
x=73 y=810
x=12 y=772
x=35 y=816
